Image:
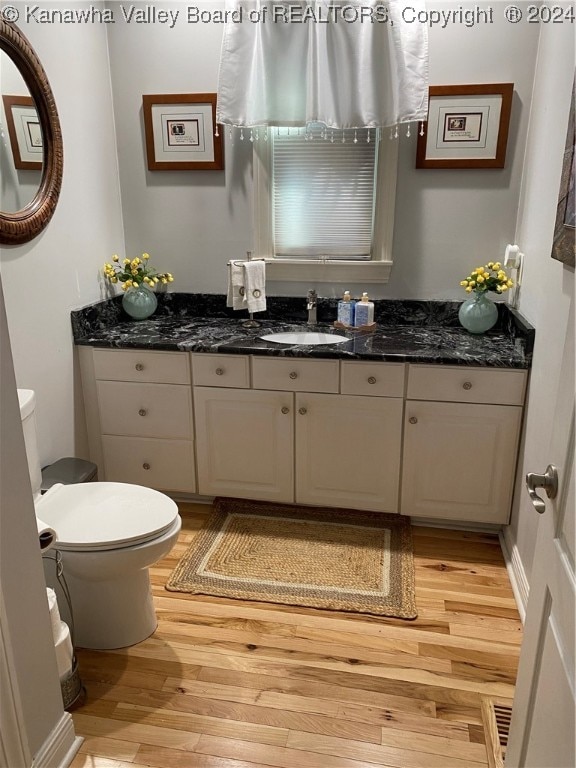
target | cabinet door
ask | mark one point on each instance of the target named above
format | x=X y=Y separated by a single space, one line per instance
x=245 y=443
x=348 y=451
x=459 y=461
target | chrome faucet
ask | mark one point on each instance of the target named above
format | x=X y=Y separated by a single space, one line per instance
x=311 y=306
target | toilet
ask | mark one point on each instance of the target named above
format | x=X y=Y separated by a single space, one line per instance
x=109 y=534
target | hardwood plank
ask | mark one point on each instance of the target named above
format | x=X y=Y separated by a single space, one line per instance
x=246 y=713
x=486 y=609
x=434 y=745
x=381 y=755
x=115 y=749
x=278 y=757
x=142 y=734
x=160 y=758
x=382 y=678
x=319 y=690
x=272 y=647
x=193 y=723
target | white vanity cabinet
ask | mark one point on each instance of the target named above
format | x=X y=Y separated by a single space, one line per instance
x=461 y=431
x=293 y=437
x=429 y=441
x=139 y=415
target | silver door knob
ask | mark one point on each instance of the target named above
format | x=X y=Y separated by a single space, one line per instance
x=302 y=411
x=142 y=412
x=285 y=410
x=548 y=481
x=413 y=420
x=371 y=379
x=219 y=371
x=139 y=367
x=293 y=375
x=467 y=385
x=145 y=465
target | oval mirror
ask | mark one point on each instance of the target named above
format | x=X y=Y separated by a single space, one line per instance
x=31 y=142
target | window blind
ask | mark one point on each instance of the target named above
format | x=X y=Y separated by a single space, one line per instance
x=323 y=192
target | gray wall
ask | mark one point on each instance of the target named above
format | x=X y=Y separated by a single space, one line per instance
x=193 y=222
x=22 y=586
x=60 y=269
x=548 y=286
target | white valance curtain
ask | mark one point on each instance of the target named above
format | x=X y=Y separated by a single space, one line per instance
x=342 y=63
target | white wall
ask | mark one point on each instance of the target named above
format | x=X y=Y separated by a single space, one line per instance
x=548 y=285
x=192 y=222
x=59 y=270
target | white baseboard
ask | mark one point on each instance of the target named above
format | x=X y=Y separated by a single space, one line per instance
x=60 y=747
x=516 y=572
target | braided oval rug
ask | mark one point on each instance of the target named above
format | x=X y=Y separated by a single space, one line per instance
x=318 y=557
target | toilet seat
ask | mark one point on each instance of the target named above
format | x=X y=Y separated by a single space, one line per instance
x=103 y=516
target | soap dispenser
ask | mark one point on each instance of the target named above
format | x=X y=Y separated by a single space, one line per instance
x=363 y=311
x=346 y=310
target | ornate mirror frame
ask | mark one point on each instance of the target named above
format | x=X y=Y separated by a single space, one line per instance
x=26 y=224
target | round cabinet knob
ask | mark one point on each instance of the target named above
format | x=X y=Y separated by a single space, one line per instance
x=293 y=375
x=139 y=367
x=303 y=411
x=142 y=412
x=285 y=410
x=413 y=420
x=145 y=465
x=371 y=379
x=467 y=385
x=219 y=371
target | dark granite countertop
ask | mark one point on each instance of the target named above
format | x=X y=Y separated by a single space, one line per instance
x=407 y=331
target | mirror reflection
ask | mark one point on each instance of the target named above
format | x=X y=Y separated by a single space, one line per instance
x=20 y=140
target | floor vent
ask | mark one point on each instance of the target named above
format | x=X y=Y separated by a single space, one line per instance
x=496 y=716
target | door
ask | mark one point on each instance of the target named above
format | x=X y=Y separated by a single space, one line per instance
x=348 y=451
x=543 y=714
x=459 y=460
x=245 y=443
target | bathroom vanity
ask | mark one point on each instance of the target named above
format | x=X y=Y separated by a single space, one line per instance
x=413 y=419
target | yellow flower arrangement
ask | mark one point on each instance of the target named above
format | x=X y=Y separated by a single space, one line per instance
x=488 y=278
x=133 y=272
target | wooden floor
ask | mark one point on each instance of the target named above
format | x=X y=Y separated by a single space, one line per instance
x=234 y=684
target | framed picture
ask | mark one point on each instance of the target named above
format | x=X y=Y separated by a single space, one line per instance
x=24 y=131
x=467 y=126
x=181 y=132
x=563 y=246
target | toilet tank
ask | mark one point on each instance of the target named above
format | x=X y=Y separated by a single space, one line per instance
x=27 y=401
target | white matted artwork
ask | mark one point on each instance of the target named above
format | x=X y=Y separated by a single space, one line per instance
x=467 y=127
x=180 y=132
x=24 y=131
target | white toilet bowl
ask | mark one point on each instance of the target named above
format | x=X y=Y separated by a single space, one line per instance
x=109 y=534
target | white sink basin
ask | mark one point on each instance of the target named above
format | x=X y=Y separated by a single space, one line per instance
x=304 y=337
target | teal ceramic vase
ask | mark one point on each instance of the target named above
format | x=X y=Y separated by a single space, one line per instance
x=478 y=314
x=139 y=302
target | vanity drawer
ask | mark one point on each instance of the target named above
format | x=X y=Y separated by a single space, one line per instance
x=378 y=379
x=221 y=371
x=134 y=365
x=295 y=374
x=145 y=410
x=466 y=385
x=167 y=465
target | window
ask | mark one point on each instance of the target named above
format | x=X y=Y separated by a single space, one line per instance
x=324 y=208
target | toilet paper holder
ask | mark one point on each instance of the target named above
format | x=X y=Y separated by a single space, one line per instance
x=72 y=689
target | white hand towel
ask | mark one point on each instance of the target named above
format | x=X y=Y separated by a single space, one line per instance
x=235 y=297
x=255 y=284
